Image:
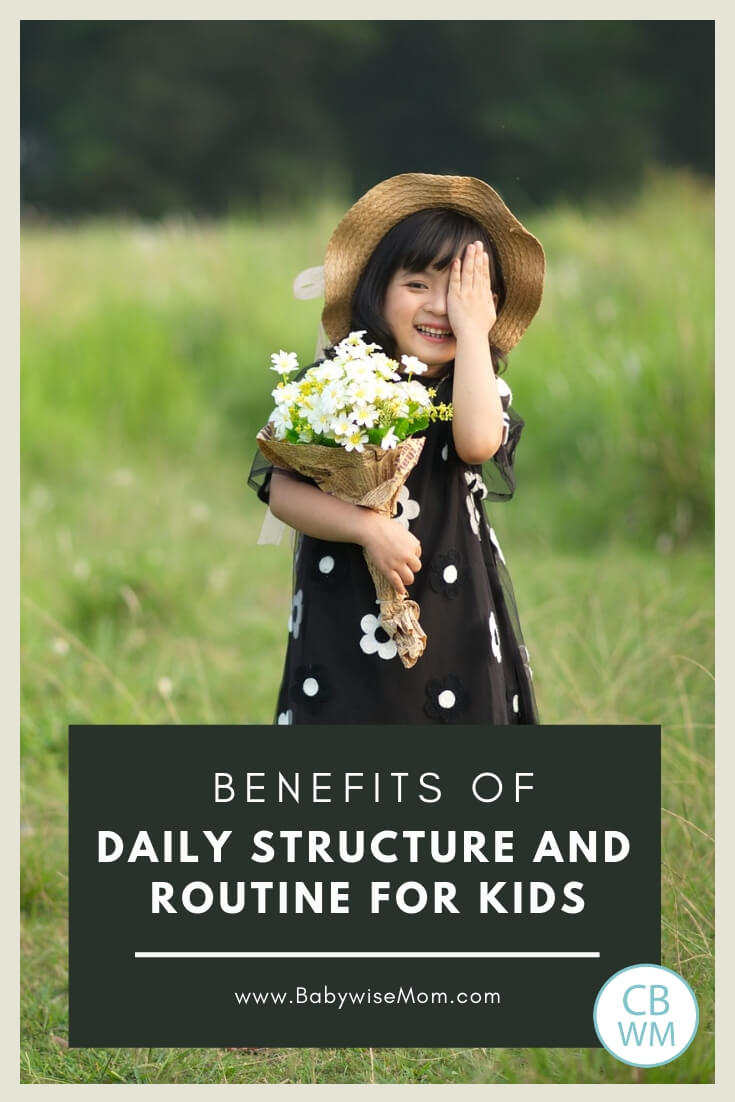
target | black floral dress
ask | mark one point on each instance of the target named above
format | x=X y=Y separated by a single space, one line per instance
x=341 y=666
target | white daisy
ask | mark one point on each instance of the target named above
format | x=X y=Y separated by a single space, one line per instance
x=356 y=441
x=385 y=366
x=284 y=362
x=365 y=414
x=281 y=421
x=332 y=396
x=413 y=365
x=352 y=342
x=416 y=392
x=341 y=425
x=285 y=393
x=363 y=390
x=320 y=419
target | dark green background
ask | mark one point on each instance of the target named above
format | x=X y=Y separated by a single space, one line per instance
x=215 y=116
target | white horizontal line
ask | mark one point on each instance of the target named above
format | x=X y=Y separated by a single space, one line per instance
x=357 y=954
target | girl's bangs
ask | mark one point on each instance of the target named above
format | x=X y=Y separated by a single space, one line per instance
x=433 y=238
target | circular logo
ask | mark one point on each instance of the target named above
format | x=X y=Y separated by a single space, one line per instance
x=646 y=1015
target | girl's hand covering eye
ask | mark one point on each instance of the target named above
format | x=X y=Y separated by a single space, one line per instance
x=470 y=304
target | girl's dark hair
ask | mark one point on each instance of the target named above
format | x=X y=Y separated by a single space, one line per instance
x=427 y=239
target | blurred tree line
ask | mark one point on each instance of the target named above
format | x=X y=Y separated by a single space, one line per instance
x=219 y=116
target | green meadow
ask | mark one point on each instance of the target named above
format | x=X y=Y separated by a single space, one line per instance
x=146 y=598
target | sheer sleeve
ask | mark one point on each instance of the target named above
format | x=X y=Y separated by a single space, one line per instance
x=498 y=472
x=261 y=471
x=259 y=478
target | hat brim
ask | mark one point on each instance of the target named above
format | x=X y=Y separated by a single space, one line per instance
x=519 y=253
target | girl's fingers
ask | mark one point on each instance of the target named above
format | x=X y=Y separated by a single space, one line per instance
x=396 y=581
x=481 y=272
x=483 y=265
x=474 y=261
x=472 y=271
x=470 y=260
x=487 y=286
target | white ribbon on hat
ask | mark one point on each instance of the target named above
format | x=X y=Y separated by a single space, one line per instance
x=307 y=284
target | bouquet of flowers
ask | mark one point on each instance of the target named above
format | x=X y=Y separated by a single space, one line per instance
x=348 y=423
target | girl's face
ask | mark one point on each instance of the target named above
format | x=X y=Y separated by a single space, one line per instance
x=415 y=311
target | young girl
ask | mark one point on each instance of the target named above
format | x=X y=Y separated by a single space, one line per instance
x=435 y=267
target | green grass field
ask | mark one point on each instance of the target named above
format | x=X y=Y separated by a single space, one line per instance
x=146 y=598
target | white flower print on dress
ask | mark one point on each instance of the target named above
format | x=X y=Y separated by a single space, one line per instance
x=473 y=514
x=445 y=574
x=445 y=452
x=494 y=637
x=504 y=390
x=285 y=717
x=310 y=689
x=524 y=656
x=515 y=703
x=496 y=545
x=326 y=564
x=446 y=700
x=475 y=483
x=297 y=612
x=408 y=508
x=369 y=644
x=506 y=397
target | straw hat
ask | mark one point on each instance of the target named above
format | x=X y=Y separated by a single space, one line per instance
x=520 y=255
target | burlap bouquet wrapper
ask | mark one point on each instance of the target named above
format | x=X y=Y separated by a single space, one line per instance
x=372 y=478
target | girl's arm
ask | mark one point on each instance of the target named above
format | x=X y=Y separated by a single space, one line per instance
x=395 y=551
x=477 y=419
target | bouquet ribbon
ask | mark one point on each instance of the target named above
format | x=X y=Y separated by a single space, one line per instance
x=372 y=478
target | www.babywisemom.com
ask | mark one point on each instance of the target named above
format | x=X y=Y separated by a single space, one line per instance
x=325 y=996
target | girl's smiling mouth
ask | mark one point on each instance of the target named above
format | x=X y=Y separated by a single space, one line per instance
x=434 y=333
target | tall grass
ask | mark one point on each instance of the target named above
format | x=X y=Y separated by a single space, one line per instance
x=146 y=598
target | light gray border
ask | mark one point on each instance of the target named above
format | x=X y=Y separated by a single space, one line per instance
x=9 y=445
